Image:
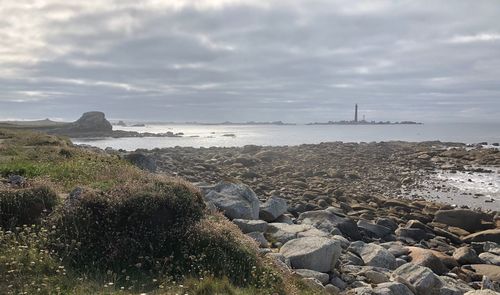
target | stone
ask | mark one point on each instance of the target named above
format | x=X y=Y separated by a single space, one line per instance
x=282 y=232
x=327 y=221
x=284 y=219
x=421 y=278
x=491 y=235
x=365 y=290
x=491 y=247
x=343 y=241
x=315 y=253
x=490 y=258
x=466 y=255
x=332 y=290
x=237 y=201
x=273 y=208
x=431 y=259
x=338 y=282
x=411 y=234
x=320 y=276
x=259 y=238
x=491 y=271
x=454 y=286
x=374 y=230
x=392 y=288
x=396 y=248
x=376 y=277
x=463 y=218
x=373 y=255
x=386 y=222
x=251 y=225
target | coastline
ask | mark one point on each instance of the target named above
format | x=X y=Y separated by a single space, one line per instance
x=309 y=175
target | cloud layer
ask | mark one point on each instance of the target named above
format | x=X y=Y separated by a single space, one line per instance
x=238 y=60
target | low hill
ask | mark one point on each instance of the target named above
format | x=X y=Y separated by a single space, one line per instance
x=80 y=221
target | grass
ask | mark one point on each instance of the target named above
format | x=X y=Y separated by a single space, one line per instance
x=125 y=231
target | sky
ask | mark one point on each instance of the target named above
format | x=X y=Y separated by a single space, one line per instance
x=241 y=60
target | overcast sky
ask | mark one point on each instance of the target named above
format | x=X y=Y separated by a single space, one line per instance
x=290 y=60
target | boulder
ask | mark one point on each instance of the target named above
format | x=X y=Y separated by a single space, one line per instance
x=490 y=258
x=273 y=208
x=248 y=226
x=491 y=235
x=373 y=255
x=421 y=278
x=237 y=201
x=436 y=261
x=463 y=218
x=315 y=253
x=259 y=238
x=374 y=230
x=466 y=255
x=320 y=276
x=491 y=271
x=392 y=288
x=282 y=232
x=327 y=221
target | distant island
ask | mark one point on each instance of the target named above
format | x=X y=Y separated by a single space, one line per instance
x=90 y=124
x=279 y=123
x=364 y=122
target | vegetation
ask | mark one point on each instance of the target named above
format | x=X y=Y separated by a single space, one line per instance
x=86 y=222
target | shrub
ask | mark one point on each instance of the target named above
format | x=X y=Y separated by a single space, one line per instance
x=25 y=206
x=216 y=247
x=127 y=227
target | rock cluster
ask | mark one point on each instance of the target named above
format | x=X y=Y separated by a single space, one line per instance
x=381 y=248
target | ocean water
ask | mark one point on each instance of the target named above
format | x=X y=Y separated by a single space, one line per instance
x=276 y=135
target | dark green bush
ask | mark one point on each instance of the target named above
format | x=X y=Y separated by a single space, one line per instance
x=25 y=206
x=126 y=227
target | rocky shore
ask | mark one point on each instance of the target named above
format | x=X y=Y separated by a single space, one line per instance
x=342 y=216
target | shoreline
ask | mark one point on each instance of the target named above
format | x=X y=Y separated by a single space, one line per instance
x=309 y=173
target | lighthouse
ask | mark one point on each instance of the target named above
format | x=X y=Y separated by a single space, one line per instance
x=356 y=113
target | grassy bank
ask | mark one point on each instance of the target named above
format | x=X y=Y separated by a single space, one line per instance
x=85 y=222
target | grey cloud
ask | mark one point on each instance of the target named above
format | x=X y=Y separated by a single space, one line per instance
x=249 y=60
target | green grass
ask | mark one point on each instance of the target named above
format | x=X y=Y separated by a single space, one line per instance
x=128 y=232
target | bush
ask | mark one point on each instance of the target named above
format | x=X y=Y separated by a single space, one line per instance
x=128 y=227
x=25 y=206
x=215 y=247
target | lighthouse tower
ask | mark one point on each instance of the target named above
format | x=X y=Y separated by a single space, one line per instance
x=356 y=113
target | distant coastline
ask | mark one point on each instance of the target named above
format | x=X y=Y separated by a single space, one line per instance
x=366 y=123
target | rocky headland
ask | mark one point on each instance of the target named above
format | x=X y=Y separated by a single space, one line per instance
x=89 y=125
x=342 y=216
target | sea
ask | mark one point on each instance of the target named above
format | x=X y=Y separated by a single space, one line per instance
x=197 y=135
x=480 y=190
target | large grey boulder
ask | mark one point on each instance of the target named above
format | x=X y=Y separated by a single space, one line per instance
x=282 y=232
x=329 y=222
x=236 y=200
x=422 y=278
x=315 y=253
x=320 y=276
x=273 y=208
x=392 y=288
x=373 y=255
x=248 y=226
